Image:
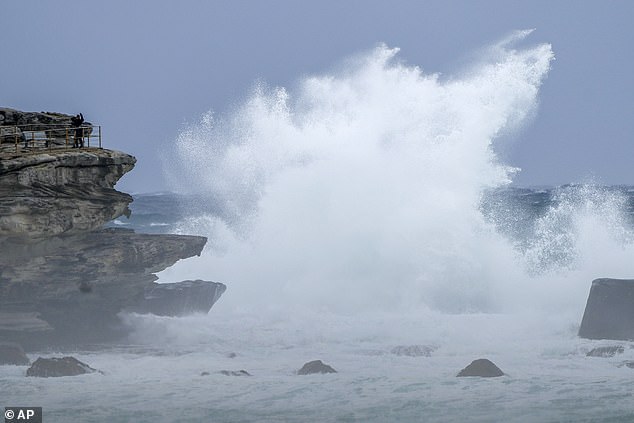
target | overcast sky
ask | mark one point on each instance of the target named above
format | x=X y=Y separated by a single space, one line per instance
x=143 y=69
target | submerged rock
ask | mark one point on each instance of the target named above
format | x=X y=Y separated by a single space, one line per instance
x=481 y=368
x=235 y=373
x=13 y=354
x=316 y=366
x=609 y=312
x=610 y=351
x=413 y=350
x=57 y=367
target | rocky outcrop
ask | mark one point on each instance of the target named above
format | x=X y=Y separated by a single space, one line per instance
x=315 y=367
x=61 y=191
x=609 y=312
x=481 y=368
x=70 y=289
x=36 y=120
x=63 y=278
x=58 y=367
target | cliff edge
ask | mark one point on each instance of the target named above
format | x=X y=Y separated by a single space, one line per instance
x=64 y=278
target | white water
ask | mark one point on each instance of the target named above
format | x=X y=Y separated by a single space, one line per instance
x=346 y=221
x=360 y=191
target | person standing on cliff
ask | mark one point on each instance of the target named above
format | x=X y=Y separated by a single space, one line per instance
x=77 y=122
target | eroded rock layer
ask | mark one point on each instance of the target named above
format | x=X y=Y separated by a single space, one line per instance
x=64 y=279
x=61 y=191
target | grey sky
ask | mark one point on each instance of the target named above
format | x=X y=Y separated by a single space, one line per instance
x=144 y=68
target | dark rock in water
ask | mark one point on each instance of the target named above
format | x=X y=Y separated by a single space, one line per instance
x=413 y=350
x=316 y=366
x=481 y=368
x=179 y=299
x=235 y=373
x=13 y=354
x=610 y=351
x=204 y=374
x=629 y=364
x=232 y=355
x=609 y=312
x=57 y=367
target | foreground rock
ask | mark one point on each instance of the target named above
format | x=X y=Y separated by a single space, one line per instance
x=609 y=312
x=57 y=367
x=481 y=368
x=13 y=354
x=179 y=299
x=610 y=351
x=314 y=367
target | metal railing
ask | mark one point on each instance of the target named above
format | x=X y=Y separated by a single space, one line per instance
x=42 y=136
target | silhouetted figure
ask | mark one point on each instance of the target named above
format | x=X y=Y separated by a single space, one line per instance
x=77 y=122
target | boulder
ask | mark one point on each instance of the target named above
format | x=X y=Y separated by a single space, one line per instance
x=481 y=368
x=316 y=366
x=13 y=354
x=609 y=312
x=179 y=299
x=610 y=351
x=413 y=350
x=235 y=373
x=57 y=367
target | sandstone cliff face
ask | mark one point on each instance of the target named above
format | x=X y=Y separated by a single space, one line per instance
x=63 y=278
x=69 y=289
x=61 y=191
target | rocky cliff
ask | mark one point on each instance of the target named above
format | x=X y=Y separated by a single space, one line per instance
x=64 y=279
x=61 y=191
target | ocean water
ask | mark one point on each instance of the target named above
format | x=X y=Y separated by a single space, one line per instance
x=362 y=210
